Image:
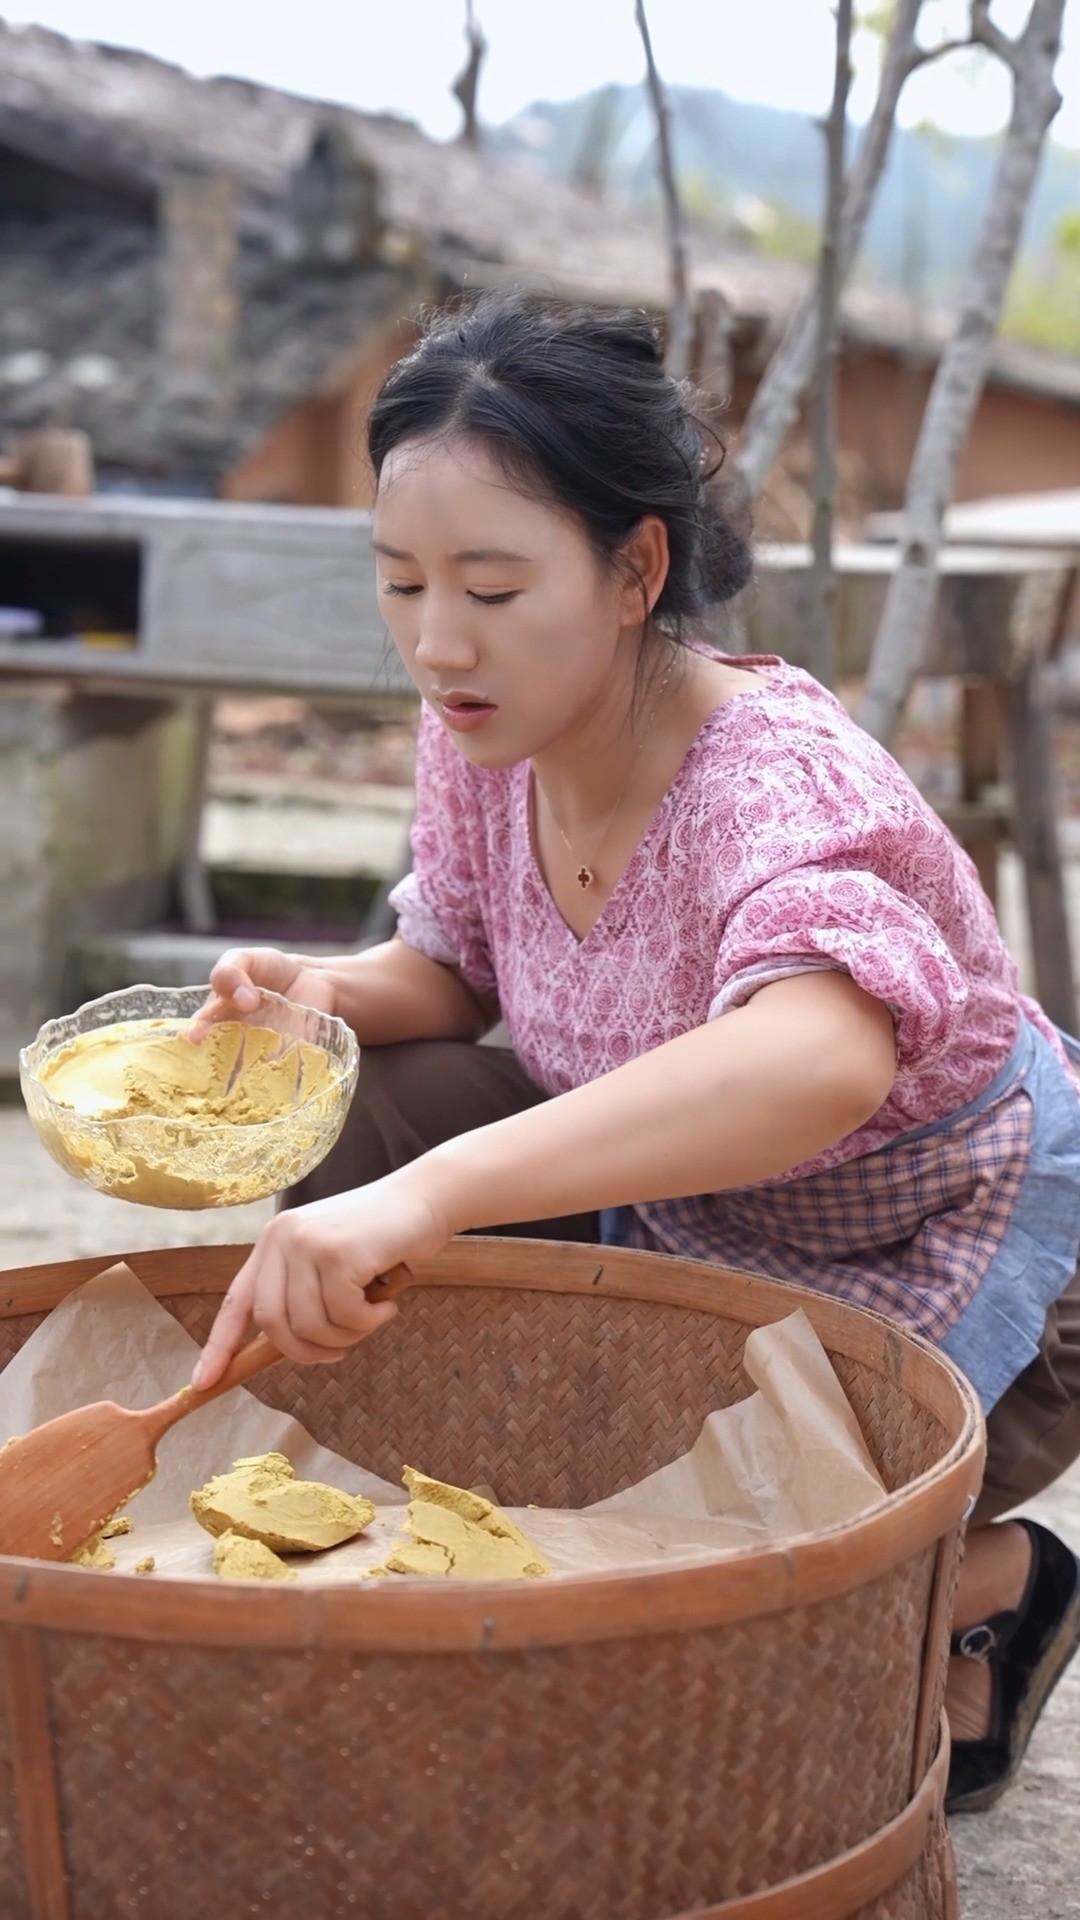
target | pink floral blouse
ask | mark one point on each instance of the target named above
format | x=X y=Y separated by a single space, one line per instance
x=788 y=840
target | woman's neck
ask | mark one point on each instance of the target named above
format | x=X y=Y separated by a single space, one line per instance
x=583 y=775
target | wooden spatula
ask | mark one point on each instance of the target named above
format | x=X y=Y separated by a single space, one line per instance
x=59 y=1484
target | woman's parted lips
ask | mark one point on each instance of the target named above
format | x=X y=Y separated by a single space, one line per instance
x=464 y=712
x=457 y=699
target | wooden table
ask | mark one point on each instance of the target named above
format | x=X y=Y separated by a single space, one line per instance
x=264 y=600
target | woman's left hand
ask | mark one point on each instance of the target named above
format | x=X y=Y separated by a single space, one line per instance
x=303 y=1284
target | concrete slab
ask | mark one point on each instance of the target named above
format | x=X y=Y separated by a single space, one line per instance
x=46 y=1215
x=92 y=795
x=259 y=826
x=110 y=961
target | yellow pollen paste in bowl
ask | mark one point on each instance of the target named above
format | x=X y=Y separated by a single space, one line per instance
x=237 y=1076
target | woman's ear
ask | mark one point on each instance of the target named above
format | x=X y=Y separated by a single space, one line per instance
x=646 y=560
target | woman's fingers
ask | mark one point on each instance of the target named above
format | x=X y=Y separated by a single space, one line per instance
x=235 y=980
x=289 y=1306
x=310 y=1300
x=258 y=1296
x=211 y=1011
x=229 y=1331
x=349 y=1307
x=282 y=1292
x=234 y=975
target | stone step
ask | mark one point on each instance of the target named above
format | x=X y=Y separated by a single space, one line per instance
x=257 y=826
x=252 y=827
x=108 y=961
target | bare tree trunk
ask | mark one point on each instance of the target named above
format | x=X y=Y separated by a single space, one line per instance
x=680 y=321
x=711 y=366
x=467 y=85
x=775 y=405
x=910 y=603
x=821 y=586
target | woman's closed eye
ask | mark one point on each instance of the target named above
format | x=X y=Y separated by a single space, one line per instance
x=401 y=590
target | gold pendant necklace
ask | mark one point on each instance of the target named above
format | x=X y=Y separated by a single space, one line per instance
x=586 y=872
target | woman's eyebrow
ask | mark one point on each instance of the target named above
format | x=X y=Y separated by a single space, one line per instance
x=467 y=553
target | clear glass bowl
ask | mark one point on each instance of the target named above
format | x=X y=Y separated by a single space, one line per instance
x=164 y=1162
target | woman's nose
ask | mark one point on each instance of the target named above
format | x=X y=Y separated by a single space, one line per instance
x=442 y=646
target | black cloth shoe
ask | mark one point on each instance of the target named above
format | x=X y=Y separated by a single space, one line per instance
x=1027 y=1652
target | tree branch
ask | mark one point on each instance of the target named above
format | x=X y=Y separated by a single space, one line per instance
x=922 y=56
x=677 y=358
x=985 y=34
x=821 y=596
x=467 y=85
x=775 y=404
x=911 y=600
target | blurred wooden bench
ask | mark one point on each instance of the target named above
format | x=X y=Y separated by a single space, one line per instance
x=215 y=599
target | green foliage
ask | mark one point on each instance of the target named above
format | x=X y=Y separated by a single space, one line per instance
x=1067 y=236
x=706 y=201
x=783 y=234
x=876 y=19
x=1043 y=306
x=1044 y=294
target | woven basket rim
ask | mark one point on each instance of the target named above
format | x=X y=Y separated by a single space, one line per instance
x=574 y=1608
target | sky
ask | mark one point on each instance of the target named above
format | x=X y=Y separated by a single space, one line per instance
x=401 y=55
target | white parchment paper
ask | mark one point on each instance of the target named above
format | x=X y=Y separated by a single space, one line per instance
x=790 y=1459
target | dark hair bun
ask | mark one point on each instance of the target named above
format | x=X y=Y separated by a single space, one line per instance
x=725 y=560
x=634 y=334
x=575 y=401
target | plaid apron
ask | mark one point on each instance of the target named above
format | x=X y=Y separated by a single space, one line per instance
x=965 y=1230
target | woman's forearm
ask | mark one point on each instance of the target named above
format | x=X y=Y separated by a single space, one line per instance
x=749 y=1096
x=390 y=993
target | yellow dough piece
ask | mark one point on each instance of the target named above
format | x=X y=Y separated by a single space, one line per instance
x=461 y=1535
x=95 y=1554
x=262 y=1499
x=147 y=1565
x=238 y=1558
x=239 y=1075
x=416 y=1556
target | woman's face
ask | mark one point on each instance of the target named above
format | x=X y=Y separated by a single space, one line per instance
x=512 y=629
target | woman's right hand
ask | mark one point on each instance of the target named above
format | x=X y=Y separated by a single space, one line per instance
x=237 y=977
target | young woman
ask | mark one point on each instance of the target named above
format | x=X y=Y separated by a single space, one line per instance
x=759 y=1007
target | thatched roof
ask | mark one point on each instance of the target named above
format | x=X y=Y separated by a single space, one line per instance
x=127 y=121
x=79 y=345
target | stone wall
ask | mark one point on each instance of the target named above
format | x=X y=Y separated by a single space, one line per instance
x=92 y=799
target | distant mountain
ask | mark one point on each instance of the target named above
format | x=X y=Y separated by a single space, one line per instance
x=760 y=170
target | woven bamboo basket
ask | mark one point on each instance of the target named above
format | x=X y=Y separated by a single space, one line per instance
x=757 y=1739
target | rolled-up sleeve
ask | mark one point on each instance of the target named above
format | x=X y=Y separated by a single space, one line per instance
x=855 y=922
x=440 y=903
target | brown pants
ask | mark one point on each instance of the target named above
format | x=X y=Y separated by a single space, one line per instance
x=413 y=1097
x=417 y=1095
